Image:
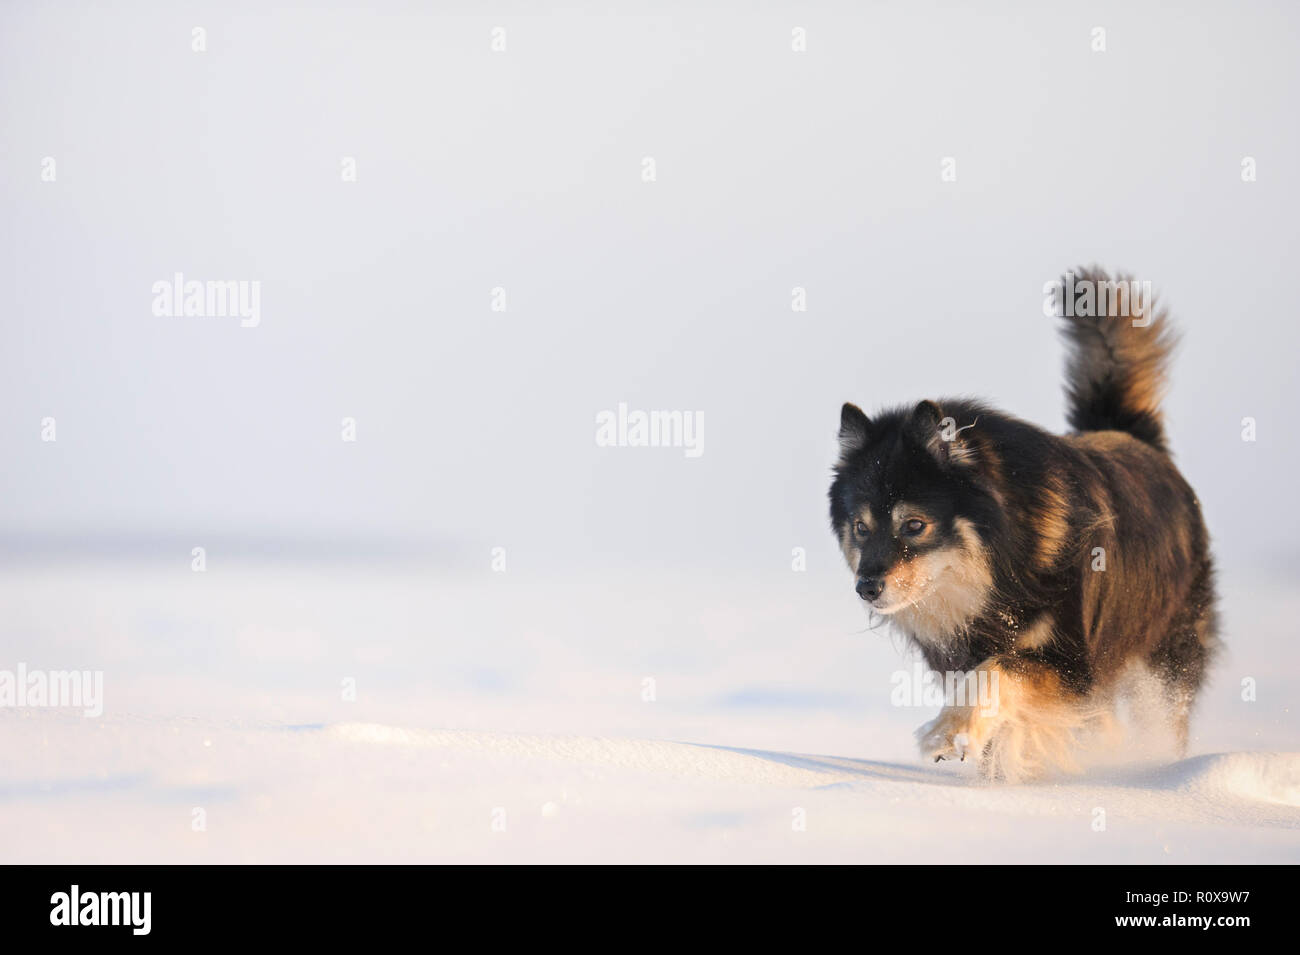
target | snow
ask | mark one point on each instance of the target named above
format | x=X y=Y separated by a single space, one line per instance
x=505 y=718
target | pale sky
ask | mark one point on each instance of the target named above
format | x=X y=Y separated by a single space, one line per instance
x=524 y=170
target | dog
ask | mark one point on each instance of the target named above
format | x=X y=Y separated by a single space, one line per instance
x=1053 y=566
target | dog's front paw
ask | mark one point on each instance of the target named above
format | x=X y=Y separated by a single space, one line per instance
x=948 y=736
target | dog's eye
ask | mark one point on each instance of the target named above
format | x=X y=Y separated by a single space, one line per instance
x=861 y=528
x=913 y=527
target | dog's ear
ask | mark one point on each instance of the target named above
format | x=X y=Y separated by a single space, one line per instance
x=931 y=429
x=940 y=434
x=855 y=430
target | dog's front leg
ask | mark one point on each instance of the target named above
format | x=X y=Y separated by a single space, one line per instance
x=1019 y=724
x=956 y=733
x=970 y=717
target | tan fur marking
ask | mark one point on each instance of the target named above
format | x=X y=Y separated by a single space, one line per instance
x=1039 y=635
x=1052 y=522
x=1106 y=440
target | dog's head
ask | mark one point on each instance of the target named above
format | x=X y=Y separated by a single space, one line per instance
x=907 y=505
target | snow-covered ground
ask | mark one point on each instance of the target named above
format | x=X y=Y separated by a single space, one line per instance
x=640 y=716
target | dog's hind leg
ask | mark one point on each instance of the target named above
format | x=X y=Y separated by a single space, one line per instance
x=1182 y=659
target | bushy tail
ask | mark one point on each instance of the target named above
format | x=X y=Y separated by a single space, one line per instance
x=1119 y=348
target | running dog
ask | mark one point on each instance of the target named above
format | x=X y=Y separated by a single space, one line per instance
x=1055 y=564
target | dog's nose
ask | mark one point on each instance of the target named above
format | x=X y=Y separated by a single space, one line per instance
x=869 y=588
